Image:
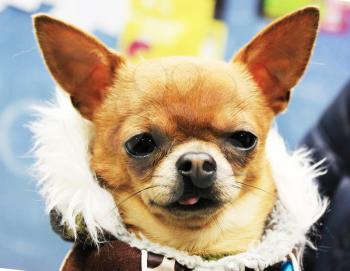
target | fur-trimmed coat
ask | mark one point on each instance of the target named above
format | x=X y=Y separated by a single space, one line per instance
x=329 y=139
x=87 y=209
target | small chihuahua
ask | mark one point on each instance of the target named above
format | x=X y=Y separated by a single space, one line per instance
x=180 y=141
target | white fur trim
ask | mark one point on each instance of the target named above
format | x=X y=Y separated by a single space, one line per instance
x=67 y=183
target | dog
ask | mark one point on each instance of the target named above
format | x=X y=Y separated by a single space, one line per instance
x=180 y=141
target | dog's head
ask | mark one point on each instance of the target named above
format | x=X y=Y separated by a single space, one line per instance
x=181 y=140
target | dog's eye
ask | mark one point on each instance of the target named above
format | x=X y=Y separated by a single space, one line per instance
x=140 y=145
x=243 y=140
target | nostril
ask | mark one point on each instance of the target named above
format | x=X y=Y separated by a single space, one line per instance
x=209 y=167
x=185 y=167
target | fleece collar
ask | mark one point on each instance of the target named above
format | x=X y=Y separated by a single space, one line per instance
x=68 y=184
x=121 y=255
x=156 y=262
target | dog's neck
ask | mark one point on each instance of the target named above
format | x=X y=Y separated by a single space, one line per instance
x=238 y=225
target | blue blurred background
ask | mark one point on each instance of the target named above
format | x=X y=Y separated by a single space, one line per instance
x=26 y=239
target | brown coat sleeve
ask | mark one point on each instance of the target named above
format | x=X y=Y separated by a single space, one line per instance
x=111 y=256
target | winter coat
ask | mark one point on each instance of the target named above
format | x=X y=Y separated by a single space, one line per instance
x=86 y=213
x=330 y=138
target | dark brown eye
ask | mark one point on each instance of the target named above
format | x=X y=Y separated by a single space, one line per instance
x=242 y=140
x=140 y=145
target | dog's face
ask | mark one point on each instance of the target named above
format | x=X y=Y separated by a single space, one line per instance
x=180 y=141
x=186 y=132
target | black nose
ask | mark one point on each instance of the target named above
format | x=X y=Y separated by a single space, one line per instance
x=200 y=167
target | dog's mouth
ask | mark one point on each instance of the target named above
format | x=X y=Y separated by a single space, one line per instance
x=193 y=203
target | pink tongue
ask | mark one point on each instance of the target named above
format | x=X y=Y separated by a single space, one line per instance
x=190 y=201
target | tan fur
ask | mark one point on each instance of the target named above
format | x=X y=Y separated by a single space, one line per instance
x=191 y=103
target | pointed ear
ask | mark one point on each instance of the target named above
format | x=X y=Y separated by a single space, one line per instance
x=79 y=63
x=278 y=56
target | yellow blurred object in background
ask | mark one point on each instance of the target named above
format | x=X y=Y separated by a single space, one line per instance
x=158 y=28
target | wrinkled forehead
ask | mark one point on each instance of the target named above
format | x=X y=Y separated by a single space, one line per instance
x=194 y=93
x=184 y=76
